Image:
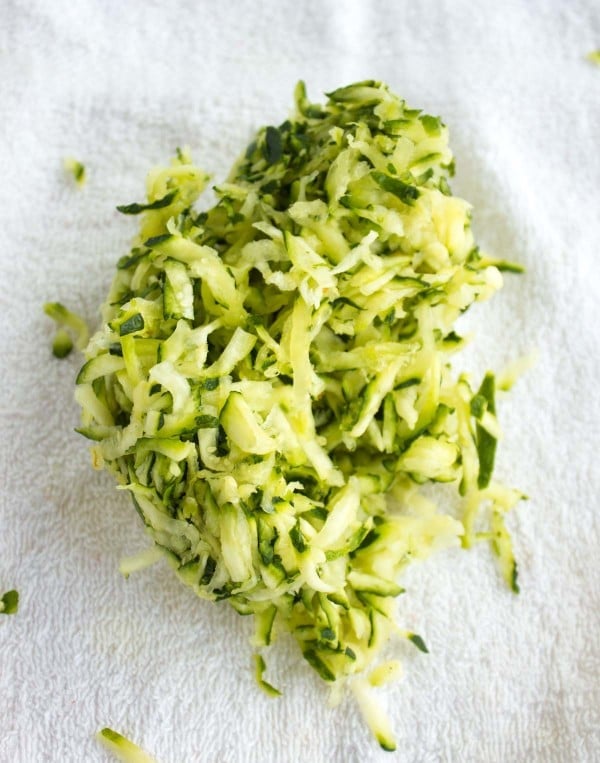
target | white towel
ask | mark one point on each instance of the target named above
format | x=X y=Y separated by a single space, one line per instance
x=119 y=86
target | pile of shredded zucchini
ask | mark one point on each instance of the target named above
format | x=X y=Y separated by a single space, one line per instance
x=272 y=379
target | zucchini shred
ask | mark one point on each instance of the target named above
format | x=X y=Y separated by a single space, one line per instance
x=272 y=380
x=122 y=747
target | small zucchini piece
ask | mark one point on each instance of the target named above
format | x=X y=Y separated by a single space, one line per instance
x=9 y=603
x=122 y=748
x=101 y=365
x=242 y=427
x=315 y=661
x=264 y=626
x=178 y=292
x=361 y=581
x=486 y=443
x=62 y=344
x=135 y=209
x=260 y=667
x=64 y=318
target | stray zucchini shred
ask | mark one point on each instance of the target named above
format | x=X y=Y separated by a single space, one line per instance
x=272 y=379
x=62 y=344
x=594 y=57
x=65 y=319
x=260 y=668
x=76 y=170
x=122 y=748
x=9 y=603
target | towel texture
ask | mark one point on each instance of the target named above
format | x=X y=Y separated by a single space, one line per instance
x=119 y=86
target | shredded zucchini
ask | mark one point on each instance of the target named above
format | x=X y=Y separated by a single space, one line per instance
x=509 y=375
x=594 y=57
x=62 y=344
x=260 y=668
x=373 y=714
x=141 y=561
x=9 y=603
x=76 y=169
x=65 y=319
x=386 y=672
x=122 y=748
x=272 y=380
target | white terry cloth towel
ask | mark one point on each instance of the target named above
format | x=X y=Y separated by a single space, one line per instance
x=119 y=85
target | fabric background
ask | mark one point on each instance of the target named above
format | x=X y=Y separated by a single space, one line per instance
x=119 y=85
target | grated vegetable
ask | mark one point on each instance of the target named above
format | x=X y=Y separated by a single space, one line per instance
x=76 y=170
x=122 y=748
x=65 y=319
x=272 y=380
x=9 y=603
x=594 y=57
